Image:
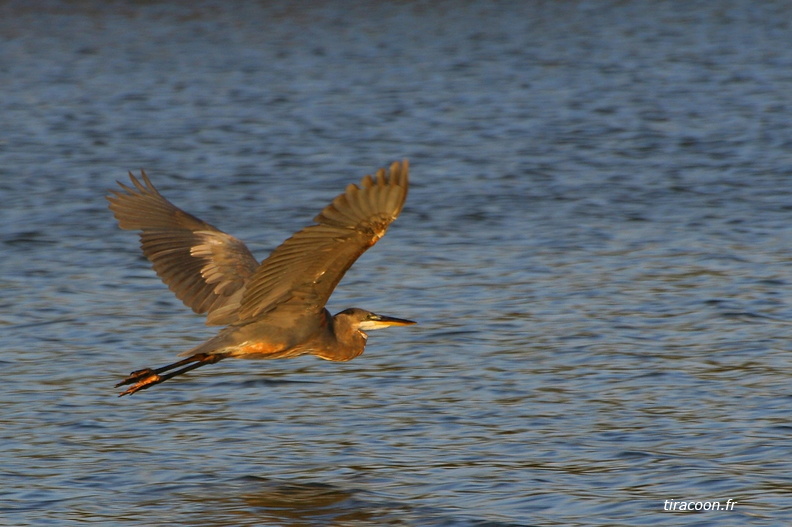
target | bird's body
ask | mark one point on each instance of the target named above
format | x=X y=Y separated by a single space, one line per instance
x=275 y=309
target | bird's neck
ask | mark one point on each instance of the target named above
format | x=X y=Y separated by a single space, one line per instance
x=349 y=342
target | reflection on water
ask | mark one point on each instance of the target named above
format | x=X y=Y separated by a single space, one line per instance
x=253 y=500
x=595 y=247
x=259 y=500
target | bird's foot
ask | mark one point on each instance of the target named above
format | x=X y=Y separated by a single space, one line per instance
x=136 y=375
x=147 y=377
x=142 y=379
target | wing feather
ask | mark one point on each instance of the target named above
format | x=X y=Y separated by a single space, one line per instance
x=215 y=273
x=302 y=273
x=205 y=267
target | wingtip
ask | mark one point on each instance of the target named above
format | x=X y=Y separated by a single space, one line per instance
x=399 y=172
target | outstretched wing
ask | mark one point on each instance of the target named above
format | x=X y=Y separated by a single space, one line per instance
x=205 y=267
x=303 y=272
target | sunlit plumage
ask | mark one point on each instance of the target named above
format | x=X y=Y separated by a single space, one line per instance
x=275 y=309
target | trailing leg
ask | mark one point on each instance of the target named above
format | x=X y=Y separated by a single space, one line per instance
x=147 y=377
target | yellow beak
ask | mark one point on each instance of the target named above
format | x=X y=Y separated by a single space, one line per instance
x=380 y=321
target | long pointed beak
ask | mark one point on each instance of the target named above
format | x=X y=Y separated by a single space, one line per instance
x=393 y=321
x=381 y=321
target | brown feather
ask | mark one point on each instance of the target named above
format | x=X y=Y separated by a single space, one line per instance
x=201 y=264
x=310 y=264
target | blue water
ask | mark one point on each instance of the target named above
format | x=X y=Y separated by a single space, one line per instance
x=596 y=245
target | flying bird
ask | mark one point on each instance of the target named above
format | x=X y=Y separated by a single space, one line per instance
x=274 y=309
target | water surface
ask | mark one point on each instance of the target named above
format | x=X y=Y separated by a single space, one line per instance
x=596 y=245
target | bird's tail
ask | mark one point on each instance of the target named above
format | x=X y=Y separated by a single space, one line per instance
x=147 y=377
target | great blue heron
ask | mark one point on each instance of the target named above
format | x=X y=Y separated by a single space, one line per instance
x=275 y=309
